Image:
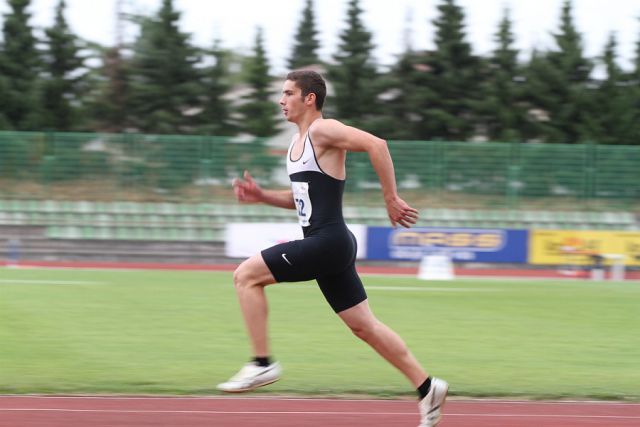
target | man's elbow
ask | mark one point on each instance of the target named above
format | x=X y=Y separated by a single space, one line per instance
x=380 y=144
x=372 y=144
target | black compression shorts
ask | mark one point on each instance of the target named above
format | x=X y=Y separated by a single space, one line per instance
x=328 y=256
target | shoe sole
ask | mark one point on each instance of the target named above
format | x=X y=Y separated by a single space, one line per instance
x=244 y=390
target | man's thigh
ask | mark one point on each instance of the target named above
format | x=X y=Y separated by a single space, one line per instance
x=342 y=290
x=254 y=270
x=294 y=261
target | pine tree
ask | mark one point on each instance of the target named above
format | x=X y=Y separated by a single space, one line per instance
x=19 y=68
x=165 y=83
x=615 y=118
x=216 y=116
x=397 y=116
x=634 y=94
x=502 y=106
x=559 y=86
x=108 y=102
x=354 y=74
x=539 y=94
x=447 y=81
x=259 y=111
x=63 y=70
x=306 y=44
x=4 y=92
x=636 y=68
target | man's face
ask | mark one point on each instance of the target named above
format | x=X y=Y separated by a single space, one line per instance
x=291 y=102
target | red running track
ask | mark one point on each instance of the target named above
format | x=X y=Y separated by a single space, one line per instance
x=79 y=411
x=552 y=273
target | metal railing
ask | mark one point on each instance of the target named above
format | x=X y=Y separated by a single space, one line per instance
x=158 y=168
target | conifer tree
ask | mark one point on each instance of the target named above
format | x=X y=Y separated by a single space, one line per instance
x=108 y=102
x=354 y=74
x=259 y=111
x=165 y=83
x=19 y=69
x=540 y=97
x=634 y=93
x=63 y=71
x=306 y=44
x=397 y=118
x=559 y=86
x=502 y=106
x=4 y=92
x=609 y=92
x=615 y=115
x=636 y=62
x=447 y=81
x=216 y=116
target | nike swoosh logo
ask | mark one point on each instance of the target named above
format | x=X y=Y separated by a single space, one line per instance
x=267 y=369
x=304 y=162
x=284 y=257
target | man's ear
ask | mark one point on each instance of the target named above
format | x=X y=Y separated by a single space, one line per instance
x=310 y=99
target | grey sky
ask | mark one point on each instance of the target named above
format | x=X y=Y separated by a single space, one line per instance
x=234 y=23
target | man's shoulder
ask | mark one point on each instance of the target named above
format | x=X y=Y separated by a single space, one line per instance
x=325 y=127
x=330 y=122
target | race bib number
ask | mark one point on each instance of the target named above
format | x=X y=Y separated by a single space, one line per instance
x=302 y=202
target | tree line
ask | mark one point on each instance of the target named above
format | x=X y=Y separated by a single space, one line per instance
x=161 y=83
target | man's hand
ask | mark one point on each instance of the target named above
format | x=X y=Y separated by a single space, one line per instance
x=247 y=190
x=401 y=213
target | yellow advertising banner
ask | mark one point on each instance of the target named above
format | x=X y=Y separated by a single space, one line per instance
x=578 y=247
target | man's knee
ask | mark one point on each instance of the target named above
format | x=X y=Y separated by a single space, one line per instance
x=364 y=330
x=242 y=277
x=250 y=273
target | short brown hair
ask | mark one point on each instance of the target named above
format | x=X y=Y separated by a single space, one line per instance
x=310 y=82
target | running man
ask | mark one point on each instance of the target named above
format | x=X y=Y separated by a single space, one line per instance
x=327 y=253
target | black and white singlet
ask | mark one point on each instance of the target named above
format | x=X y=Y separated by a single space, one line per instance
x=328 y=251
x=317 y=195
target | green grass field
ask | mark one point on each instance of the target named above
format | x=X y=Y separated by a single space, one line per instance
x=81 y=331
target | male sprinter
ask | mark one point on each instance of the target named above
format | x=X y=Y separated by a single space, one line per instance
x=316 y=167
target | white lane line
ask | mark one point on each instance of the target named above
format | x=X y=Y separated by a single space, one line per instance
x=427 y=289
x=196 y=411
x=407 y=288
x=186 y=398
x=357 y=413
x=491 y=415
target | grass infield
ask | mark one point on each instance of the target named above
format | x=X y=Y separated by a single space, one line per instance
x=167 y=332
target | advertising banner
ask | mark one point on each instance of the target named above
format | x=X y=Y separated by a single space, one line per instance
x=577 y=247
x=461 y=244
x=244 y=239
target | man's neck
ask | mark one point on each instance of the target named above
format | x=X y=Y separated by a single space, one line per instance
x=305 y=122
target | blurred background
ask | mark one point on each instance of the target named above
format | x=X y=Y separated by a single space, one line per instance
x=122 y=123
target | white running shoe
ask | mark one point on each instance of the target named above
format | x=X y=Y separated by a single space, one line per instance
x=251 y=376
x=431 y=405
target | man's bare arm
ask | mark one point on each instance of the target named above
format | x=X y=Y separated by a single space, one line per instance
x=332 y=133
x=248 y=191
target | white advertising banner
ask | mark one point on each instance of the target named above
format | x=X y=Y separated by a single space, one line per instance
x=244 y=239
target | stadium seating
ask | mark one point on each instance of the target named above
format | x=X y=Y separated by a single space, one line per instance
x=206 y=221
